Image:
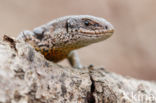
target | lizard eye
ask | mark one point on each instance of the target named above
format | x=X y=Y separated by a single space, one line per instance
x=106 y=27
x=87 y=23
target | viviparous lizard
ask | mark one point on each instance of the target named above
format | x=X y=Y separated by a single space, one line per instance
x=59 y=38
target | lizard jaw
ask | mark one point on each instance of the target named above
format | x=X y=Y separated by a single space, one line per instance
x=97 y=33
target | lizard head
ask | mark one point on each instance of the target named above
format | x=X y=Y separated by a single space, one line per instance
x=78 y=30
x=89 y=27
x=86 y=29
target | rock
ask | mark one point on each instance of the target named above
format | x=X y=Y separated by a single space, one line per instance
x=27 y=77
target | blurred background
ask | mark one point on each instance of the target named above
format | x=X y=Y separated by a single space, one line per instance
x=130 y=51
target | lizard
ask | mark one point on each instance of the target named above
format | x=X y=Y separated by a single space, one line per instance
x=60 y=38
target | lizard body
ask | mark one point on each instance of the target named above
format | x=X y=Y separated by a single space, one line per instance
x=57 y=39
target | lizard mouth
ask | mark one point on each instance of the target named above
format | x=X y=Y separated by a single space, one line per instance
x=96 y=33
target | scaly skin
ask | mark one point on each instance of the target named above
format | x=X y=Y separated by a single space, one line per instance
x=57 y=39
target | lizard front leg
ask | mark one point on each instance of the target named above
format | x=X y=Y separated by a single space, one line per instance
x=74 y=60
